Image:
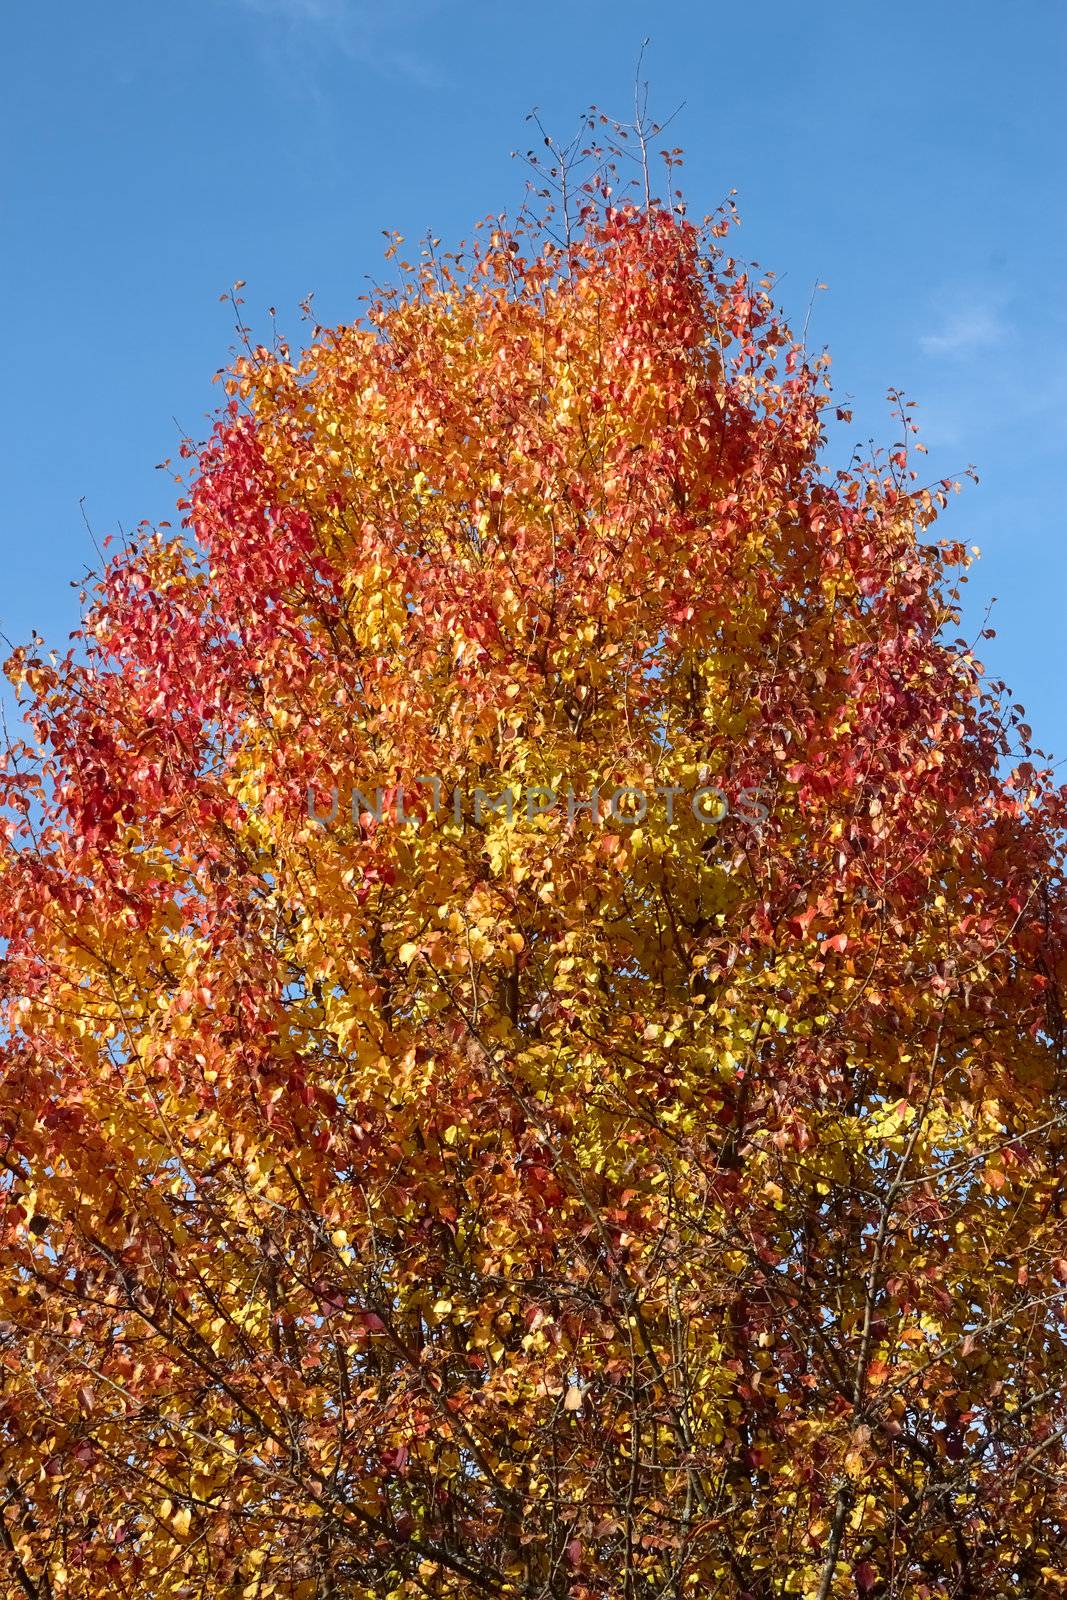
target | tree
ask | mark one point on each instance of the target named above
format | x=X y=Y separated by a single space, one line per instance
x=406 y=1198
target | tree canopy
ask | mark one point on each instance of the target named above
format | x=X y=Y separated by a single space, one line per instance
x=620 y=1195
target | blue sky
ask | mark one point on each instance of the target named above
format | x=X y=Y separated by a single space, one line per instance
x=912 y=157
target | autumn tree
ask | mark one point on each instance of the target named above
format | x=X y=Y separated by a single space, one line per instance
x=532 y=1056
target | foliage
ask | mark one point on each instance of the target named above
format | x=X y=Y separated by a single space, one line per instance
x=562 y=1207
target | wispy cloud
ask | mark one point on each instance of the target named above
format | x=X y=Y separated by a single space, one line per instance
x=969 y=329
x=378 y=36
x=299 y=10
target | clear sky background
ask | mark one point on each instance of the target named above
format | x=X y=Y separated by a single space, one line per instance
x=911 y=156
